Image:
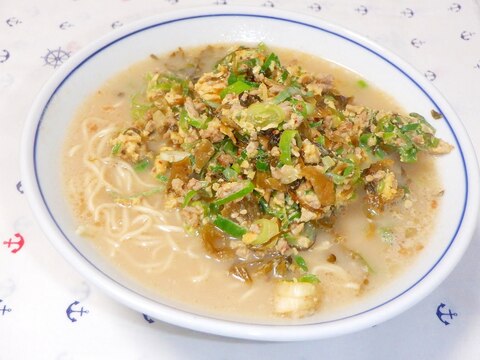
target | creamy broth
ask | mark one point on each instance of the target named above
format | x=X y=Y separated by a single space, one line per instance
x=151 y=246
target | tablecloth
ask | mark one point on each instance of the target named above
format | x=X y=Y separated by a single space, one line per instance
x=440 y=38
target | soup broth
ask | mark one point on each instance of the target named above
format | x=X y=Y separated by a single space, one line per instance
x=353 y=255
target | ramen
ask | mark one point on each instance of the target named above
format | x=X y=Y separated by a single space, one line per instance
x=251 y=182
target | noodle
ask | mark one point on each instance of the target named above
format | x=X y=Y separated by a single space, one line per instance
x=138 y=224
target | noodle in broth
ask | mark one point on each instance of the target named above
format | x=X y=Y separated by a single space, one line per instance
x=151 y=245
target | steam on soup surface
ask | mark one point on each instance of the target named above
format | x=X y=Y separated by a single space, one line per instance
x=251 y=183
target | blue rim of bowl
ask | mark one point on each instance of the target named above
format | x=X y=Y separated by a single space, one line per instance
x=277 y=18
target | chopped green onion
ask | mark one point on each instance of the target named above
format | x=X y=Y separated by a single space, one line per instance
x=365 y=262
x=408 y=154
x=263 y=115
x=300 y=261
x=138 y=109
x=380 y=153
x=388 y=137
x=328 y=162
x=212 y=104
x=315 y=124
x=243 y=138
x=236 y=88
x=302 y=108
x=216 y=168
x=229 y=226
x=230 y=174
x=229 y=147
x=271 y=58
x=250 y=63
x=235 y=196
x=237 y=168
x=285 y=146
x=262 y=160
x=348 y=170
x=183 y=120
x=142 y=165
x=337 y=179
x=367 y=140
x=244 y=155
x=188 y=197
x=231 y=78
x=309 y=278
x=293 y=212
x=264 y=206
x=261 y=165
x=268 y=229
x=422 y=120
x=410 y=127
x=362 y=84
x=262 y=47
x=212 y=210
x=280 y=212
x=162 y=178
x=165 y=83
x=320 y=140
x=432 y=141
x=116 y=148
x=286 y=94
x=187 y=119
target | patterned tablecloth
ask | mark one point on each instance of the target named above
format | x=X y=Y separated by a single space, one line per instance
x=441 y=38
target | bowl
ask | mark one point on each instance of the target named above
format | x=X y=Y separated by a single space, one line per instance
x=57 y=102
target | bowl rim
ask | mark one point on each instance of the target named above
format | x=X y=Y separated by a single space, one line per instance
x=132 y=299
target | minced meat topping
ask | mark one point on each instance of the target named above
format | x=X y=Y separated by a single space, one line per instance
x=259 y=157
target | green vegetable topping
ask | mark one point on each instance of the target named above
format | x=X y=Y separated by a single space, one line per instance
x=162 y=178
x=262 y=160
x=235 y=196
x=286 y=94
x=116 y=148
x=142 y=165
x=235 y=88
x=188 y=197
x=362 y=84
x=229 y=226
x=230 y=174
x=186 y=119
x=285 y=146
x=265 y=115
x=268 y=229
x=309 y=278
x=300 y=261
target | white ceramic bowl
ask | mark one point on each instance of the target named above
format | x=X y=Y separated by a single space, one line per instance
x=89 y=68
